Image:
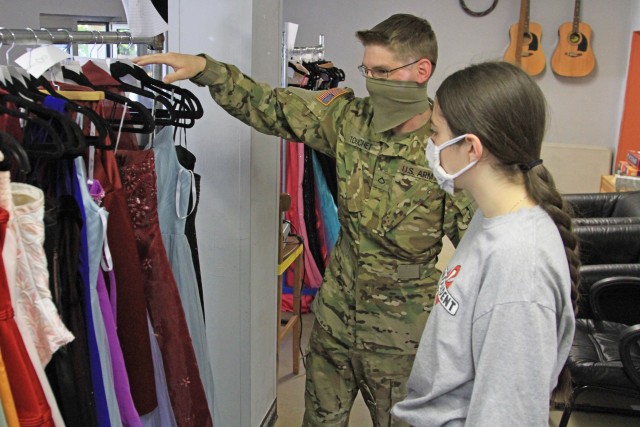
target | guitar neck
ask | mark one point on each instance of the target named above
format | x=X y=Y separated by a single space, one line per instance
x=576 y=17
x=524 y=15
x=524 y=5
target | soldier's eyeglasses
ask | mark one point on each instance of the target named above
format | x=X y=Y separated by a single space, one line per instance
x=378 y=73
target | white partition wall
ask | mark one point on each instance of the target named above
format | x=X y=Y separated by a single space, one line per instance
x=237 y=216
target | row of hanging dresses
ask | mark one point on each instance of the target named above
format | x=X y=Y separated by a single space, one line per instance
x=118 y=273
x=30 y=329
x=311 y=182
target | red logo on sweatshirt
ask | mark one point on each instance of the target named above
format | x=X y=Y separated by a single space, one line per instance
x=444 y=297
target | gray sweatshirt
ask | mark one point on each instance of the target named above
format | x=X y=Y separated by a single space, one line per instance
x=500 y=330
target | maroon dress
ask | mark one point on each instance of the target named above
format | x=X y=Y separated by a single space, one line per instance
x=188 y=400
x=131 y=319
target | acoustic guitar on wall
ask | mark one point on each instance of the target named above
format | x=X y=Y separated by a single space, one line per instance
x=573 y=56
x=525 y=49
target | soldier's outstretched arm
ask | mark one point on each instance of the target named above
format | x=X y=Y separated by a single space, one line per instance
x=184 y=66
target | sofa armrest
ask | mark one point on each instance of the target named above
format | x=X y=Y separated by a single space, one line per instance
x=592 y=205
x=613 y=220
x=591 y=274
x=628 y=205
x=616 y=299
x=609 y=244
x=630 y=353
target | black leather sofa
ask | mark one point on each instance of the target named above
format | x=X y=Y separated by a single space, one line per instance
x=605 y=355
x=605 y=208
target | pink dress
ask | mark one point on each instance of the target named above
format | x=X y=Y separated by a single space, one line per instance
x=32 y=279
x=10 y=261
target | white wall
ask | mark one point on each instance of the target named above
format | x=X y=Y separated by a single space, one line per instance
x=237 y=217
x=634 y=16
x=26 y=13
x=582 y=111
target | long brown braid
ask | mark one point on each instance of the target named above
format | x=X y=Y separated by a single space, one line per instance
x=505 y=108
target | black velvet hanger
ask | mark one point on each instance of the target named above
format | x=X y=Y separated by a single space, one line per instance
x=47 y=133
x=139 y=118
x=186 y=105
x=104 y=138
x=30 y=91
x=162 y=116
x=14 y=154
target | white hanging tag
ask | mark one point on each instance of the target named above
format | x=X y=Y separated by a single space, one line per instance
x=40 y=59
x=56 y=73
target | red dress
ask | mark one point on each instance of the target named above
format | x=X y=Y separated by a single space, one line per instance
x=131 y=319
x=31 y=403
x=188 y=400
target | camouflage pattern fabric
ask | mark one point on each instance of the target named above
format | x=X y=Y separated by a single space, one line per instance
x=335 y=374
x=380 y=283
x=381 y=280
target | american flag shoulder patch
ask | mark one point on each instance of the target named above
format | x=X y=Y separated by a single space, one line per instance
x=328 y=96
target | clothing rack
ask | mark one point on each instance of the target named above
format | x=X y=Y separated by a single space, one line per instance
x=43 y=36
x=297 y=54
x=307 y=53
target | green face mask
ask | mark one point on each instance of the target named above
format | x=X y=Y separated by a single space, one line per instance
x=395 y=102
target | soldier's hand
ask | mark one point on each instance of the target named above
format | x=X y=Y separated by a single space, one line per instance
x=185 y=66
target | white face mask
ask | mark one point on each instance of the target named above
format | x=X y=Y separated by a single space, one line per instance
x=445 y=180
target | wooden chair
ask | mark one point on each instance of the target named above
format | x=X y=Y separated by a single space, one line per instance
x=290 y=253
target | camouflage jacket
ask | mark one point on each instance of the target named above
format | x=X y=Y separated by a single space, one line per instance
x=380 y=283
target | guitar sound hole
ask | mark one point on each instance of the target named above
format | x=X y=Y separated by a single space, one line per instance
x=575 y=38
x=530 y=43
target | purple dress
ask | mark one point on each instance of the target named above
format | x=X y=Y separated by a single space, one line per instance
x=128 y=413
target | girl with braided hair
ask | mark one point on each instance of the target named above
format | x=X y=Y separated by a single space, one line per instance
x=503 y=322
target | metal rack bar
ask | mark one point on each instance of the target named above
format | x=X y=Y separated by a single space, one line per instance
x=27 y=36
x=298 y=52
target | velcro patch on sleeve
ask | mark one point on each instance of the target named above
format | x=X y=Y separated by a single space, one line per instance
x=328 y=96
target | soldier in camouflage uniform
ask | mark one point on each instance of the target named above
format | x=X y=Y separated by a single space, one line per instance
x=380 y=283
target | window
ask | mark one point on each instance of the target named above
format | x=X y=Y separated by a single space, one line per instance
x=95 y=26
x=97 y=49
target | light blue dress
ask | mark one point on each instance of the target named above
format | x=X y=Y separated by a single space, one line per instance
x=96 y=221
x=175 y=184
x=163 y=415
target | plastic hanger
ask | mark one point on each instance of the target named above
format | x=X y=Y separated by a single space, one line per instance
x=185 y=104
x=139 y=120
x=163 y=116
x=44 y=130
x=26 y=86
x=104 y=134
x=14 y=154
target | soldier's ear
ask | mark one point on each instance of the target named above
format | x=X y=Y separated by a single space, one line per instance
x=425 y=69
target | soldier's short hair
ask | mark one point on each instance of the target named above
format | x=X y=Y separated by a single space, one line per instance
x=409 y=36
